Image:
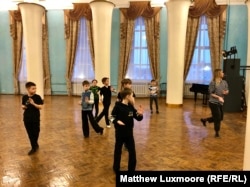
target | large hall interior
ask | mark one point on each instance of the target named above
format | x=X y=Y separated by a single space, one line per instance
x=58 y=44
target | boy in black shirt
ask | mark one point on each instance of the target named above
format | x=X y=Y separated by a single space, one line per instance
x=124 y=114
x=32 y=104
x=106 y=93
x=95 y=89
x=126 y=83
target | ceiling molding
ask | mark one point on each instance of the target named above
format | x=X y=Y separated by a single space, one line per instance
x=67 y=4
x=230 y=2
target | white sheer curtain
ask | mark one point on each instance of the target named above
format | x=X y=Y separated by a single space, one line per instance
x=200 y=70
x=83 y=66
x=23 y=71
x=139 y=67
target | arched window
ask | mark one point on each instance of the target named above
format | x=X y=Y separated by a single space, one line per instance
x=23 y=70
x=139 y=67
x=83 y=66
x=200 y=70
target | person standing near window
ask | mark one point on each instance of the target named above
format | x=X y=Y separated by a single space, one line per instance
x=153 y=96
x=218 y=88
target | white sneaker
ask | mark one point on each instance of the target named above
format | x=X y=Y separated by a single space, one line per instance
x=108 y=126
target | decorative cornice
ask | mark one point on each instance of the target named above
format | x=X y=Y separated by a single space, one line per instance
x=65 y=4
x=230 y=2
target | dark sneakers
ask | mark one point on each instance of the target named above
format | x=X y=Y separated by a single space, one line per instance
x=203 y=122
x=217 y=135
x=101 y=131
x=32 y=151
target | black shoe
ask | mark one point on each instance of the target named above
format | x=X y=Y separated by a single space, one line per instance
x=203 y=122
x=32 y=151
x=101 y=131
x=217 y=135
x=151 y=111
x=157 y=112
x=116 y=171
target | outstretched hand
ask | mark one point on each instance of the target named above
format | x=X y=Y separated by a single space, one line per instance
x=140 y=110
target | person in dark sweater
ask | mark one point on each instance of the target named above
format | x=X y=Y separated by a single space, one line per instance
x=87 y=105
x=124 y=114
x=125 y=83
x=95 y=89
x=106 y=93
x=32 y=104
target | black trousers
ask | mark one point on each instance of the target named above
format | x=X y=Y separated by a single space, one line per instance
x=33 y=130
x=105 y=113
x=85 y=124
x=155 y=100
x=96 y=106
x=217 y=115
x=120 y=139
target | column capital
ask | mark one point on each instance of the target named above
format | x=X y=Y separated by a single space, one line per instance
x=101 y=1
x=30 y=4
x=179 y=2
x=191 y=1
x=247 y=2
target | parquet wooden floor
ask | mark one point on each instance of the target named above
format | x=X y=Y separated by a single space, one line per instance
x=172 y=140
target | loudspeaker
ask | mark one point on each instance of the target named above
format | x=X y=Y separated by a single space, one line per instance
x=231 y=67
x=233 y=101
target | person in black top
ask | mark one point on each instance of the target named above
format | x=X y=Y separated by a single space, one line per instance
x=126 y=83
x=124 y=114
x=32 y=104
x=95 y=89
x=106 y=93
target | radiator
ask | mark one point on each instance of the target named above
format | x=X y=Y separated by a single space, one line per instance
x=140 y=89
x=77 y=88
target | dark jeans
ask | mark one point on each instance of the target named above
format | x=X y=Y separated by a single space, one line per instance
x=105 y=112
x=85 y=123
x=96 y=106
x=217 y=115
x=155 y=100
x=130 y=144
x=33 y=130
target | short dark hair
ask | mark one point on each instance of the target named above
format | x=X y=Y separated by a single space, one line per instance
x=85 y=83
x=126 y=81
x=125 y=92
x=104 y=79
x=153 y=80
x=94 y=80
x=29 y=84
